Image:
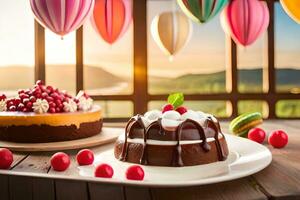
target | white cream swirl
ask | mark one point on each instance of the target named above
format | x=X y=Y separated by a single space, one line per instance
x=3 y=106
x=85 y=104
x=40 y=106
x=70 y=106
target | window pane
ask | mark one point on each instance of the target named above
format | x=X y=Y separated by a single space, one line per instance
x=108 y=69
x=116 y=109
x=250 y=65
x=61 y=61
x=16 y=46
x=287 y=51
x=199 y=67
x=217 y=108
x=253 y=106
x=288 y=108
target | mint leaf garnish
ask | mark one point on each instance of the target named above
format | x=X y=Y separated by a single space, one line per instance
x=176 y=99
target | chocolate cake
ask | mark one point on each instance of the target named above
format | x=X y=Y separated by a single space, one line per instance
x=45 y=114
x=173 y=138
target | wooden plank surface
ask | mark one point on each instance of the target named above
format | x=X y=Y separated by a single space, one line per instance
x=281 y=180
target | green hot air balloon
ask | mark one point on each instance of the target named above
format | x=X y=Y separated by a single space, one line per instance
x=201 y=11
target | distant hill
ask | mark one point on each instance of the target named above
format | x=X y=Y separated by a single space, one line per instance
x=14 y=77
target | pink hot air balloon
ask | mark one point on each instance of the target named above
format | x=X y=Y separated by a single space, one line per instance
x=61 y=16
x=111 y=18
x=245 y=20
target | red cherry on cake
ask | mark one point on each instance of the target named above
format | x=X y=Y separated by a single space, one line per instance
x=60 y=161
x=278 y=139
x=181 y=109
x=104 y=171
x=6 y=158
x=257 y=135
x=135 y=172
x=167 y=107
x=85 y=157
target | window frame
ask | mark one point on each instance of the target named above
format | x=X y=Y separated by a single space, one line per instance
x=141 y=97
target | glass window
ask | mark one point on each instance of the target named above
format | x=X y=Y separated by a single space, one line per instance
x=61 y=61
x=108 y=68
x=199 y=67
x=116 y=109
x=287 y=51
x=253 y=106
x=16 y=46
x=288 y=108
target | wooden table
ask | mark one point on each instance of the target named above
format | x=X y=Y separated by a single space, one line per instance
x=31 y=177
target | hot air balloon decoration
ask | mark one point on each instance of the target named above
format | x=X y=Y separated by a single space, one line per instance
x=292 y=8
x=201 y=11
x=245 y=20
x=111 y=18
x=171 y=31
x=61 y=16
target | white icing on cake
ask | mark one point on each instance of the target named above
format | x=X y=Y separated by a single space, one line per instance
x=40 y=106
x=70 y=106
x=85 y=104
x=3 y=106
x=171 y=119
x=165 y=143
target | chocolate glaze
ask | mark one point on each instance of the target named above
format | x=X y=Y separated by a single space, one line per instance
x=135 y=127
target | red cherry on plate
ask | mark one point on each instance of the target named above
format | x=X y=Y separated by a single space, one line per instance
x=6 y=158
x=104 y=171
x=85 y=157
x=135 y=172
x=278 y=139
x=2 y=97
x=257 y=135
x=181 y=109
x=167 y=107
x=60 y=161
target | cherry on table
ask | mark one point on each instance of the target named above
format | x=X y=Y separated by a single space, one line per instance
x=60 y=161
x=257 y=135
x=85 y=157
x=104 y=171
x=135 y=172
x=278 y=139
x=6 y=158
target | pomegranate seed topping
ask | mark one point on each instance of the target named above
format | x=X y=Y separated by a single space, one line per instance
x=36 y=91
x=135 y=172
x=2 y=97
x=10 y=103
x=167 y=107
x=32 y=99
x=49 y=99
x=12 y=108
x=44 y=95
x=60 y=106
x=49 y=88
x=25 y=101
x=55 y=96
x=57 y=109
x=25 y=110
x=27 y=91
x=29 y=105
x=104 y=171
x=57 y=101
x=17 y=101
x=38 y=95
x=52 y=105
x=6 y=158
x=39 y=82
x=85 y=157
x=24 y=96
x=21 y=91
x=52 y=110
x=20 y=107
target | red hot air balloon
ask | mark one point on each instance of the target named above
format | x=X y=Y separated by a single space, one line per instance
x=245 y=20
x=111 y=18
x=61 y=16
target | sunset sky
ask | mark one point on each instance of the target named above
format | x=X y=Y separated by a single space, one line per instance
x=204 y=53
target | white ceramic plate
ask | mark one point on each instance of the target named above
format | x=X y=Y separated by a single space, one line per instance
x=245 y=158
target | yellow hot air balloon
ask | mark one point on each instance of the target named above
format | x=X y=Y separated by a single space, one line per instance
x=292 y=8
x=171 y=31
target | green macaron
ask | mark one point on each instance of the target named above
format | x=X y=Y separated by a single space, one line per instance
x=243 y=123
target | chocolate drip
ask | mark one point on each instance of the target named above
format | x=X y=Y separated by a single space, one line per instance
x=177 y=158
x=211 y=124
